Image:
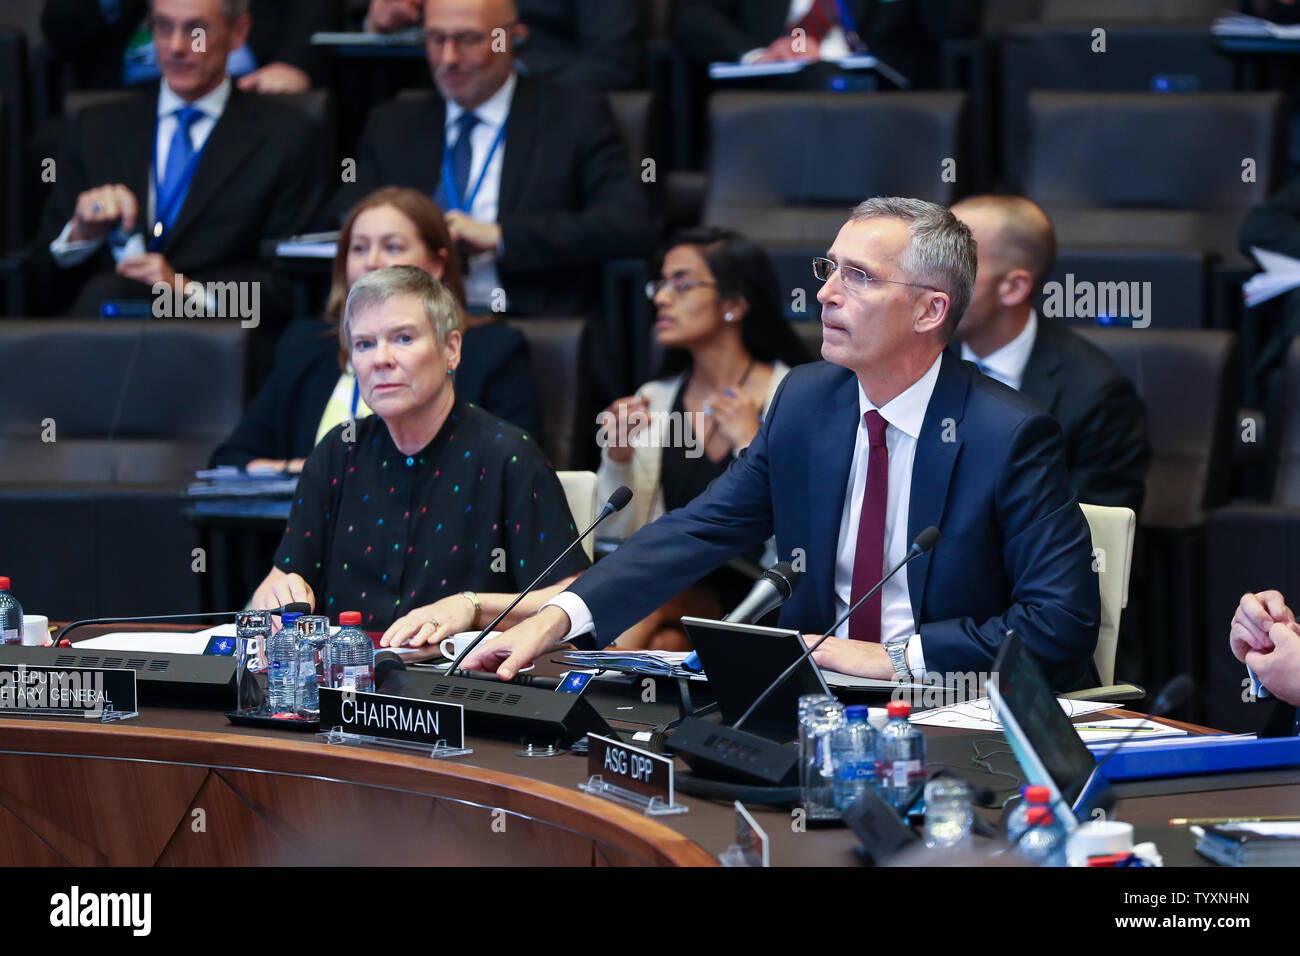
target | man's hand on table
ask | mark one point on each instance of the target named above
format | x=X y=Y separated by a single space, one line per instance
x=855 y=658
x=521 y=645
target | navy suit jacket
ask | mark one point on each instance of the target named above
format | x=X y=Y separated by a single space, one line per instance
x=1015 y=552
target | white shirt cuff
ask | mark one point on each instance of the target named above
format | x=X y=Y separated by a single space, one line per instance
x=753 y=55
x=68 y=253
x=915 y=656
x=580 y=621
x=1256 y=688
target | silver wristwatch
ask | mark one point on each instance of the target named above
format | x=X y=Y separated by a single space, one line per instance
x=898 y=657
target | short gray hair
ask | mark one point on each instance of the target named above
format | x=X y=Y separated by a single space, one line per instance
x=940 y=252
x=375 y=288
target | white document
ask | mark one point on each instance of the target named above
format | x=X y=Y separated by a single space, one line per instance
x=1281 y=274
x=1134 y=728
x=978 y=714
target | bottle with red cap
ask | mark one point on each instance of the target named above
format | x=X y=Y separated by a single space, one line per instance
x=352 y=655
x=1042 y=841
x=1018 y=820
x=900 y=765
x=11 y=616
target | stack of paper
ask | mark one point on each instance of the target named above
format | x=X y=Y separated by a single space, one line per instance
x=1251 y=844
x=1242 y=25
x=1281 y=274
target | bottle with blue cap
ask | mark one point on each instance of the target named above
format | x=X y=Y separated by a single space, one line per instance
x=853 y=753
x=281 y=653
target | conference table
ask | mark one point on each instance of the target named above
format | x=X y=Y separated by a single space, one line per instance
x=182 y=786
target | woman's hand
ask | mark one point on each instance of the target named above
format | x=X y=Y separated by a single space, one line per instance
x=620 y=423
x=431 y=623
x=278 y=589
x=736 y=415
x=293 y=466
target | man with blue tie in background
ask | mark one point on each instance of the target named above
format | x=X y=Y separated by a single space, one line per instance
x=859 y=454
x=187 y=178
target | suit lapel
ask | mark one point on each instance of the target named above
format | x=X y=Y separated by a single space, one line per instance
x=231 y=140
x=936 y=455
x=830 y=455
x=521 y=145
x=134 y=145
x=1041 y=382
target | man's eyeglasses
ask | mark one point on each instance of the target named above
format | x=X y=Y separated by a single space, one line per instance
x=855 y=279
x=465 y=40
x=677 y=286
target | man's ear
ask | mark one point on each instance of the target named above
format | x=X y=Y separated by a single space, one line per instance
x=1015 y=288
x=933 y=314
x=239 y=30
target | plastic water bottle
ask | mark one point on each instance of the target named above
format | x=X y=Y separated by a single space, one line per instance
x=900 y=765
x=1018 y=821
x=1043 y=843
x=853 y=752
x=280 y=654
x=312 y=640
x=11 y=616
x=352 y=655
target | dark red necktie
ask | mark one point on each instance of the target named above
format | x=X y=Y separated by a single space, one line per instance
x=869 y=557
x=816 y=23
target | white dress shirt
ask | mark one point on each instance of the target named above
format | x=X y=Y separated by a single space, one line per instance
x=67 y=253
x=1007 y=364
x=904 y=415
x=481 y=278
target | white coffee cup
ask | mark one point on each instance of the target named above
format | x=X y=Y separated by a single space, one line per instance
x=1098 y=838
x=451 y=647
x=36 y=629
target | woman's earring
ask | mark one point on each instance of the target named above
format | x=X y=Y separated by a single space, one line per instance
x=729 y=317
x=450 y=370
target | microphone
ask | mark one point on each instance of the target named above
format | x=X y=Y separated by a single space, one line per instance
x=617 y=502
x=923 y=543
x=769 y=592
x=301 y=607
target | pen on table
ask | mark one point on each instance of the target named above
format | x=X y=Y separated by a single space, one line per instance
x=1127 y=730
x=1211 y=821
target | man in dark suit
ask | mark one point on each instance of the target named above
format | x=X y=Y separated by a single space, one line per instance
x=533 y=177
x=1266 y=638
x=906 y=34
x=590 y=43
x=186 y=179
x=1101 y=415
x=859 y=454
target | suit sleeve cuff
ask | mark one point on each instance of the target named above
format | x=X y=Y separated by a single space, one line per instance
x=580 y=621
x=67 y=253
x=915 y=656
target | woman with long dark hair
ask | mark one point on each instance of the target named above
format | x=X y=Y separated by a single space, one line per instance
x=727 y=347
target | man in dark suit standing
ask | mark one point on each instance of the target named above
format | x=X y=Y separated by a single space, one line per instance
x=859 y=454
x=1101 y=415
x=533 y=177
x=184 y=180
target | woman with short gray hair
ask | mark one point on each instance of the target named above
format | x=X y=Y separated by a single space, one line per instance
x=407 y=514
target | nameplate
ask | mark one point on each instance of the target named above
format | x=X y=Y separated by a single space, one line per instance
x=407 y=719
x=751 y=838
x=640 y=771
x=90 y=692
x=878 y=827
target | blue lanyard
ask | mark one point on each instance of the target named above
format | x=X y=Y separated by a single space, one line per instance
x=164 y=214
x=356 y=394
x=449 y=174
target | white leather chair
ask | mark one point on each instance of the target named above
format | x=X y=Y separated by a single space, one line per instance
x=1112 y=531
x=580 y=490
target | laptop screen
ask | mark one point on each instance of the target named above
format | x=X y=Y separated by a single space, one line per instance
x=1030 y=701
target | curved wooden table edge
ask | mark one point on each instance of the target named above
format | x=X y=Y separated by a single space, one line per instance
x=599 y=819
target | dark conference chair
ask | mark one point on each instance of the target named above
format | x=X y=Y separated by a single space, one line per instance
x=562 y=365
x=1179 y=283
x=101 y=423
x=1188 y=381
x=790 y=166
x=1119 y=165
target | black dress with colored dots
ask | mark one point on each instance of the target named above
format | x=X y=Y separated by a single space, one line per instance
x=373 y=530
